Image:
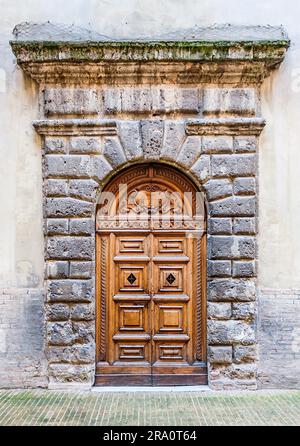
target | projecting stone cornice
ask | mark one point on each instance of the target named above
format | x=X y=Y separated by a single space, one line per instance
x=231 y=55
x=225 y=126
x=66 y=127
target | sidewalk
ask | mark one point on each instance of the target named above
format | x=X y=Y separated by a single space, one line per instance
x=51 y=408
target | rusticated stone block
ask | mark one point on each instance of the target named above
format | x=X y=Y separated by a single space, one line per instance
x=76 y=248
x=217 y=144
x=244 y=353
x=82 y=312
x=130 y=137
x=233 y=165
x=219 y=268
x=244 y=311
x=60 y=333
x=56 y=188
x=72 y=166
x=100 y=167
x=231 y=290
x=113 y=151
x=84 y=332
x=202 y=168
x=83 y=189
x=82 y=226
x=216 y=189
x=85 y=144
x=77 y=354
x=243 y=371
x=187 y=100
x=229 y=101
x=55 y=144
x=233 y=206
x=233 y=247
x=58 y=270
x=70 y=290
x=66 y=373
x=190 y=151
x=244 y=269
x=219 y=310
x=81 y=270
x=244 y=186
x=68 y=207
x=174 y=135
x=230 y=332
x=58 y=312
x=219 y=226
x=66 y=101
x=219 y=355
x=152 y=138
x=57 y=226
x=245 y=144
x=245 y=226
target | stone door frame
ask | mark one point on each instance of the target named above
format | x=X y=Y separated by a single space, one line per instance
x=192 y=104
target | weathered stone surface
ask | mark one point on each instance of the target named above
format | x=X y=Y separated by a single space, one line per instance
x=218 y=226
x=74 y=166
x=130 y=137
x=202 y=168
x=233 y=247
x=244 y=353
x=113 y=151
x=67 y=207
x=55 y=144
x=190 y=151
x=82 y=312
x=229 y=101
x=233 y=165
x=231 y=290
x=58 y=270
x=77 y=354
x=243 y=269
x=244 y=226
x=152 y=138
x=230 y=332
x=219 y=268
x=60 y=333
x=58 y=312
x=81 y=270
x=85 y=144
x=57 y=226
x=82 y=226
x=219 y=310
x=70 y=290
x=70 y=101
x=234 y=206
x=75 y=248
x=244 y=186
x=219 y=355
x=84 y=332
x=245 y=144
x=56 y=188
x=83 y=189
x=77 y=373
x=174 y=134
x=244 y=311
x=100 y=167
x=216 y=189
x=217 y=144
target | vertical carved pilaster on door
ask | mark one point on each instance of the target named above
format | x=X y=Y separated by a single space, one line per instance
x=102 y=351
x=198 y=293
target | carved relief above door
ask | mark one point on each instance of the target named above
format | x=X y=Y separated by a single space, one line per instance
x=150 y=281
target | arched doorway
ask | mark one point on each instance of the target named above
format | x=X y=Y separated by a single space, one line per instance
x=150 y=279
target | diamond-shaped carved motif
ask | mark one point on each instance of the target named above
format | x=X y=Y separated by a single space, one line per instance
x=171 y=279
x=131 y=279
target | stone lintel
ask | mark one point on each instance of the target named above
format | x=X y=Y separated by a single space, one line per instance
x=225 y=126
x=86 y=127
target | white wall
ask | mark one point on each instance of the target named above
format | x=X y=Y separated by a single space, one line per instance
x=21 y=240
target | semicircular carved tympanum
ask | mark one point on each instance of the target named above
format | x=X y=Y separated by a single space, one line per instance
x=150 y=293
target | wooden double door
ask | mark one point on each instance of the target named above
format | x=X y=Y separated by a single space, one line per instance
x=150 y=291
